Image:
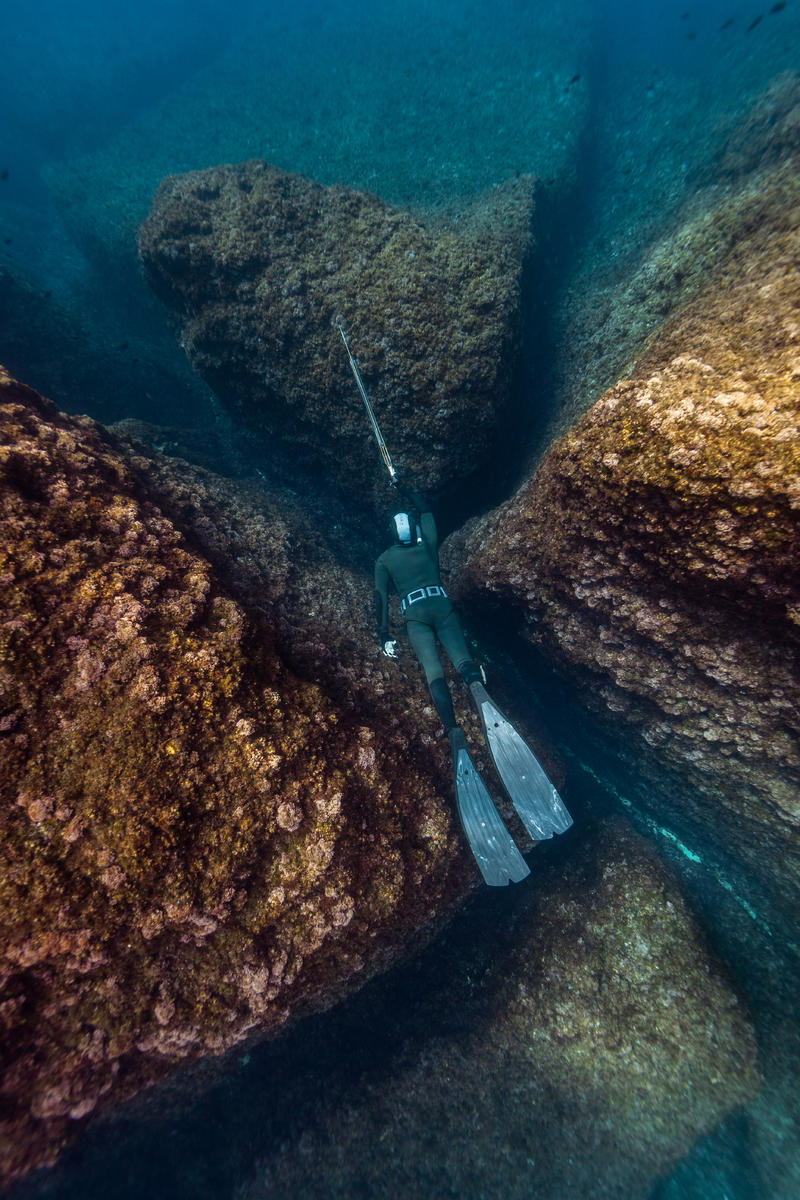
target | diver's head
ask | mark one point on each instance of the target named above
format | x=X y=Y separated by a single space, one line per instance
x=404 y=528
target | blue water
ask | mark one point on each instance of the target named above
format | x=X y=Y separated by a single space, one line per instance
x=616 y=106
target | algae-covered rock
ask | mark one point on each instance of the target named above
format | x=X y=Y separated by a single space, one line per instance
x=196 y=842
x=654 y=556
x=261 y=264
x=577 y=1044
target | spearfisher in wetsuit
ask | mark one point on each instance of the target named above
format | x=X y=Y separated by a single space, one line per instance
x=411 y=565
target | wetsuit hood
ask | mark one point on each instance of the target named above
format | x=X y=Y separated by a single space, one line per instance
x=404 y=528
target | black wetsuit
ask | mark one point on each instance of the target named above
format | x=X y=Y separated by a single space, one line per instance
x=414 y=572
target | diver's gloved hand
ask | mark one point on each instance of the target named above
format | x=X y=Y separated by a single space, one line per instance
x=389 y=648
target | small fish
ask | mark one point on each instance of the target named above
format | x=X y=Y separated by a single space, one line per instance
x=691 y=36
x=778 y=7
x=4 y=174
x=753 y=24
x=685 y=16
x=727 y=24
x=574 y=79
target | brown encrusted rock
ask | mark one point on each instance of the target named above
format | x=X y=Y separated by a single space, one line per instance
x=195 y=842
x=260 y=264
x=587 y=1049
x=654 y=557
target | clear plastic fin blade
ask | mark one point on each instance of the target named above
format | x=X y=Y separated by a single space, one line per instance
x=540 y=808
x=495 y=851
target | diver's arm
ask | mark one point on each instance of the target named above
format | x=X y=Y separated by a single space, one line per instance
x=382 y=577
x=413 y=498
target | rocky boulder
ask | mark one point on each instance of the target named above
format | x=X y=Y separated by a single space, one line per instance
x=578 y=1044
x=259 y=265
x=654 y=555
x=198 y=840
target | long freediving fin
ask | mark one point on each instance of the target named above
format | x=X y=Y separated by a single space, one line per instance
x=541 y=809
x=494 y=848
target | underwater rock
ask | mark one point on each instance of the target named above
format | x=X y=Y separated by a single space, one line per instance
x=260 y=264
x=766 y=135
x=653 y=557
x=578 y=1044
x=196 y=843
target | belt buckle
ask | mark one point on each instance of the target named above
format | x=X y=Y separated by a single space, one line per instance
x=417 y=594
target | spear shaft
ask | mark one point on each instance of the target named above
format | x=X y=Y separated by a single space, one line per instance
x=385 y=455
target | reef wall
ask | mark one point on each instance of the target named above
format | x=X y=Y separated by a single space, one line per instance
x=653 y=557
x=196 y=840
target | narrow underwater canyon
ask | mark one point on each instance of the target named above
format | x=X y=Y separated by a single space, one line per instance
x=225 y=811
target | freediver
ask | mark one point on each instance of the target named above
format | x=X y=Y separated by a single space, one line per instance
x=411 y=565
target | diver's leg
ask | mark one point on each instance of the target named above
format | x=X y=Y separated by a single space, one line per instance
x=423 y=639
x=452 y=638
x=496 y=854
